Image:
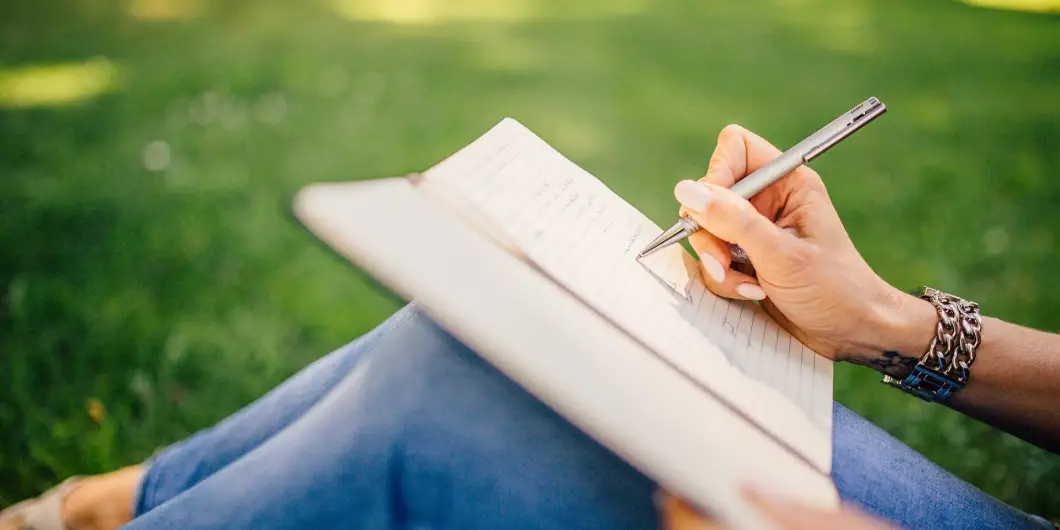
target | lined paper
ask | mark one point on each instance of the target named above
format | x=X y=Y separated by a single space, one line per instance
x=585 y=237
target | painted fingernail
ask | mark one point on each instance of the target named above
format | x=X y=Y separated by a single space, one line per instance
x=693 y=195
x=713 y=267
x=750 y=291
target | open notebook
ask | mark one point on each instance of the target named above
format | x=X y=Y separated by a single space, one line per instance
x=530 y=260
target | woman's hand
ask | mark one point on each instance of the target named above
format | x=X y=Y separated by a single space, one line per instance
x=806 y=271
x=677 y=515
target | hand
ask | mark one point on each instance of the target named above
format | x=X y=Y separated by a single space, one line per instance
x=677 y=515
x=807 y=272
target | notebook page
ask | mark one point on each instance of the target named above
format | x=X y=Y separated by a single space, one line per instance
x=558 y=348
x=585 y=237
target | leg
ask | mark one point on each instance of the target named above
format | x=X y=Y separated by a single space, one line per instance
x=421 y=433
x=109 y=500
x=424 y=433
x=449 y=428
x=884 y=476
x=191 y=460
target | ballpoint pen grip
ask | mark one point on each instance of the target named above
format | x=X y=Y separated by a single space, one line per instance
x=766 y=175
x=689 y=224
x=801 y=153
x=735 y=252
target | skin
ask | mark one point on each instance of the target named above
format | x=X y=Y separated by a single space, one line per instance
x=813 y=281
x=100 y=502
x=676 y=515
x=809 y=276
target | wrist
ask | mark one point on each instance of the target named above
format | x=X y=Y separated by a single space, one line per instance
x=900 y=327
x=909 y=326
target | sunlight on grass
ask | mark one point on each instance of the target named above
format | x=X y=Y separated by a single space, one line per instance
x=579 y=138
x=149 y=233
x=1035 y=6
x=156 y=10
x=428 y=12
x=843 y=27
x=500 y=50
x=425 y=12
x=57 y=84
x=932 y=112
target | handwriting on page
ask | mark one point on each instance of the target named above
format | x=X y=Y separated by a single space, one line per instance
x=586 y=237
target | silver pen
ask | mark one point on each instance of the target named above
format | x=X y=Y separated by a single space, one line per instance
x=799 y=154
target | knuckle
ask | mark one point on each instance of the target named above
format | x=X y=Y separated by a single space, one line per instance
x=744 y=217
x=808 y=179
x=729 y=131
x=816 y=196
x=716 y=160
x=798 y=217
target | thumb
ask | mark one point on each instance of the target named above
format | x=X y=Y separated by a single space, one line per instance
x=677 y=515
x=731 y=218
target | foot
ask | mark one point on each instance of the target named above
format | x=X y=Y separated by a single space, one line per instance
x=101 y=502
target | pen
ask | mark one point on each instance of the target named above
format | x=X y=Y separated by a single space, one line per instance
x=799 y=154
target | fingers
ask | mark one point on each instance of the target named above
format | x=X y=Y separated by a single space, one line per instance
x=714 y=259
x=733 y=219
x=738 y=153
x=677 y=515
x=788 y=516
x=714 y=255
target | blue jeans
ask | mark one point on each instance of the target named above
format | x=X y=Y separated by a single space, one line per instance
x=407 y=428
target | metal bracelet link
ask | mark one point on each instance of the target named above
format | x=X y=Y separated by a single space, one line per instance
x=944 y=368
x=957 y=335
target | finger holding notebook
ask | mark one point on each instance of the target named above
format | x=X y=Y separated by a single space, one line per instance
x=536 y=268
x=657 y=381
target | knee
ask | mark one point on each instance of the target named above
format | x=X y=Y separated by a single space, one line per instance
x=467 y=429
x=418 y=354
x=455 y=428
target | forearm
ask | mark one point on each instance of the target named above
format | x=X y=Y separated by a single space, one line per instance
x=1014 y=383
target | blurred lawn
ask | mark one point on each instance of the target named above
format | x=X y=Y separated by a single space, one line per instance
x=152 y=281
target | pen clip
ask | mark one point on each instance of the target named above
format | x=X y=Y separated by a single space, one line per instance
x=845 y=125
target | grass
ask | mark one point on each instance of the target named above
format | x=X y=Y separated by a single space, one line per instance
x=151 y=280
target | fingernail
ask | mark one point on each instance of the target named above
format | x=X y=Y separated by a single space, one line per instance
x=713 y=267
x=693 y=195
x=750 y=291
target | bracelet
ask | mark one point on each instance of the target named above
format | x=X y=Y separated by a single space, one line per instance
x=945 y=366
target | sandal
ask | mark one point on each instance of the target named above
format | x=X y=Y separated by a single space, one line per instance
x=44 y=512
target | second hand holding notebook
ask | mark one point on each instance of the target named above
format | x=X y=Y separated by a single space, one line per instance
x=531 y=261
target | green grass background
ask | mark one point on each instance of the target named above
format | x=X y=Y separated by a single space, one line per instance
x=175 y=295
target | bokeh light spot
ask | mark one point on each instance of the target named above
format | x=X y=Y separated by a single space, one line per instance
x=420 y=12
x=57 y=84
x=159 y=10
x=995 y=241
x=1034 y=6
x=156 y=156
x=271 y=108
x=501 y=50
x=428 y=12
